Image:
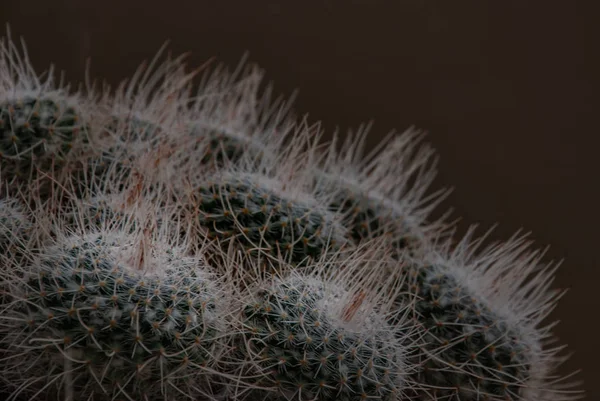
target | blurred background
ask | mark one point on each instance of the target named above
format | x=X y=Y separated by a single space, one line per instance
x=508 y=91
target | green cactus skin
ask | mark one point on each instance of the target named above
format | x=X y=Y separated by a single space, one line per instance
x=258 y=218
x=310 y=354
x=36 y=132
x=121 y=332
x=79 y=321
x=477 y=355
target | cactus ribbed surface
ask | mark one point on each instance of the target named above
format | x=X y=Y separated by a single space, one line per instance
x=482 y=339
x=476 y=353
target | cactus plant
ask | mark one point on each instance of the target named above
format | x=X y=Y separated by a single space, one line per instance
x=238 y=208
x=255 y=207
x=133 y=121
x=323 y=335
x=206 y=247
x=40 y=122
x=36 y=131
x=86 y=321
x=482 y=320
x=384 y=193
x=229 y=120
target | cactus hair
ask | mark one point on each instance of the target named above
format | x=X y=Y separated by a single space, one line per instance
x=484 y=314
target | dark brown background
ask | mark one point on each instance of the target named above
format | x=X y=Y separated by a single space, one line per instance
x=508 y=91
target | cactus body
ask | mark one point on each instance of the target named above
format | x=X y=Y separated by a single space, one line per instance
x=236 y=207
x=475 y=352
x=384 y=194
x=481 y=326
x=309 y=350
x=112 y=331
x=105 y=292
x=36 y=133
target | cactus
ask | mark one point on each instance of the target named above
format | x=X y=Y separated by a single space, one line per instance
x=118 y=155
x=255 y=206
x=207 y=247
x=221 y=116
x=259 y=218
x=481 y=318
x=326 y=338
x=84 y=320
x=224 y=129
x=40 y=122
x=36 y=133
x=385 y=193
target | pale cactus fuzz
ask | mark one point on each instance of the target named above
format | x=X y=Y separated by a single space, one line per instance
x=185 y=236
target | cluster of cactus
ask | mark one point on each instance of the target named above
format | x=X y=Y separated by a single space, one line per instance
x=208 y=247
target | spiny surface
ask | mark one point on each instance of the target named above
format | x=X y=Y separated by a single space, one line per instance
x=368 y=218
x=472 y=353
x=82 y=314
x=311 y=356
x=35 y=132
x=382 y=194
x=15 y=225
x=261 y=219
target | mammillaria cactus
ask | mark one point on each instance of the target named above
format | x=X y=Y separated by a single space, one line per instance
x=84 y=320
x=40 y=122
x=233 y=119
x=35 y=132
x=482 y=319
x=323 y=334
x=259 y=209
x=205 y=246
x=384 y=194
x=136 y=120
